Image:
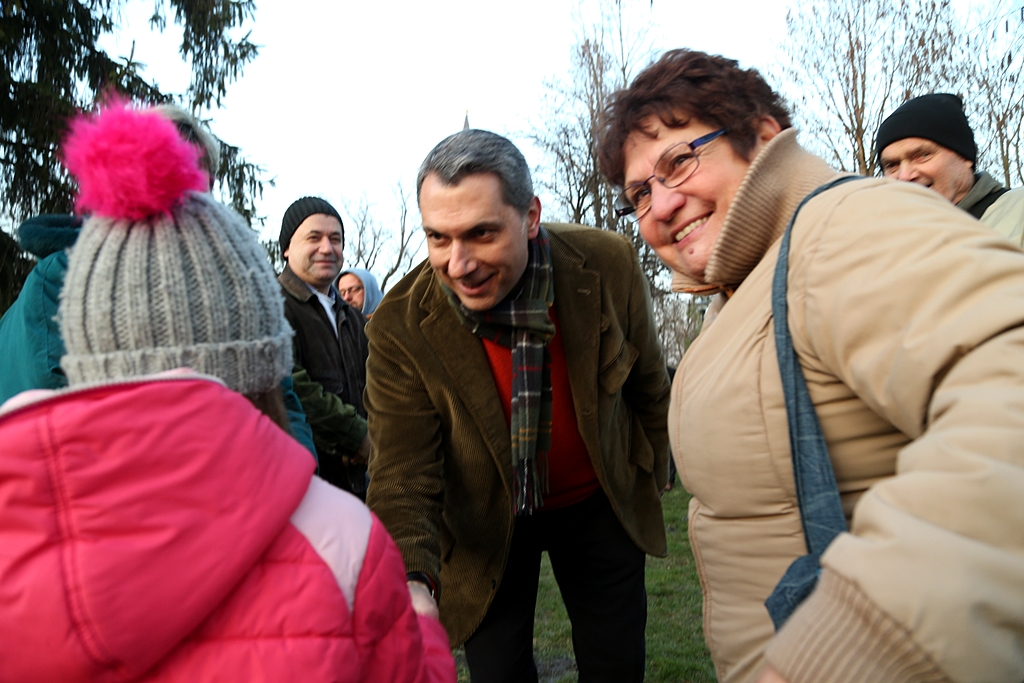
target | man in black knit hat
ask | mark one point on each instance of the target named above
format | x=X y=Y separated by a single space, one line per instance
x=329 y=346
x=928 y=141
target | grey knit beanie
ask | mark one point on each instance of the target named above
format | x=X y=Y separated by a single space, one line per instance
x=149 y=290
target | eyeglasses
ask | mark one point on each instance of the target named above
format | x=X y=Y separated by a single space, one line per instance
x=673 y=168
x=350 y=290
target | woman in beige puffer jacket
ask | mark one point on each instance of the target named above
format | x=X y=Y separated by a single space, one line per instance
x=907 y=317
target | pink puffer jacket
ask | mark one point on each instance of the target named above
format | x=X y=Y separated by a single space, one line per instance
x=168 y=531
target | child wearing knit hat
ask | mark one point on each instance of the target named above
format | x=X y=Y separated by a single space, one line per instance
x=163 y=276
x=156 y=525
x=30 y=336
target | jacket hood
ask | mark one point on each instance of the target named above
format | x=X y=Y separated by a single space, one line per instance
x=371 y=290
x=44 y=235
x=984 y=185
x=128 y=513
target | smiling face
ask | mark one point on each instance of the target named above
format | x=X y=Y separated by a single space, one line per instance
x=314 y=253
x=684 y=222
x=927 y=163
x=477 y=243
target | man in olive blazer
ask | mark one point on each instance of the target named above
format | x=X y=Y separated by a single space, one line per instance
x=441 y=473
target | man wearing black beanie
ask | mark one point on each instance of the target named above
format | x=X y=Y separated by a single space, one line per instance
x=928 y=141
x=330 y=346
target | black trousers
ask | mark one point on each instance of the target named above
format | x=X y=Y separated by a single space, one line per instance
x=600 y=574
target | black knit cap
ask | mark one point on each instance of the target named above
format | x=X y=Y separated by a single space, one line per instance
x=938 y=117
x=300 y=210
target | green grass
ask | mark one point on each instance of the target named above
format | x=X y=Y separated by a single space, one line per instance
x=675 y=633
x=675 y=640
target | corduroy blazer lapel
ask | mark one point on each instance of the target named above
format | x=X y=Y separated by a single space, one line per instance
x=462 y=355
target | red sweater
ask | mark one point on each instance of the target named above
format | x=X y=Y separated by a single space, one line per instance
x=571 y=475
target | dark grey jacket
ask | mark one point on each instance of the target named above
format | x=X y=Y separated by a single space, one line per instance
x=331 y=386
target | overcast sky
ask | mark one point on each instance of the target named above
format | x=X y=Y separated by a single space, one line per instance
x=346 y=98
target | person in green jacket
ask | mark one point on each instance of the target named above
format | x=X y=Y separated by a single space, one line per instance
x=30 y=340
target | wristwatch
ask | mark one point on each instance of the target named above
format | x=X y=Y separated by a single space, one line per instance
x=426 y=580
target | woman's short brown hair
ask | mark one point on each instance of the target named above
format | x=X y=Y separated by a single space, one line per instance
x=685 y=85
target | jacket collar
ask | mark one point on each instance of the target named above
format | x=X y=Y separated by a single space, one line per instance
x=778 y=179
x=294 y=285
x=298 y=289
x=984 y=185
x=462 y=355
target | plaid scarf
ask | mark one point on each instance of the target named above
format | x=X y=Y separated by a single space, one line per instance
x=524 y=325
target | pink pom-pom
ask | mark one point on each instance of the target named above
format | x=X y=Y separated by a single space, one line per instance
x=130 y=163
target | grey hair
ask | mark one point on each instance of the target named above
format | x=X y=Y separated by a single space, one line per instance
x=475 y=151
x=195 y=133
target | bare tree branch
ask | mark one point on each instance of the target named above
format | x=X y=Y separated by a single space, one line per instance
x=378 y=248
x=847 y=64
x=606 y=55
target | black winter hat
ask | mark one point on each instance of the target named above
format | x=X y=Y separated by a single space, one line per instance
x=300 y=210
x=938 y=117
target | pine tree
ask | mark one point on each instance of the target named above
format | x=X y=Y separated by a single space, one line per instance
x=51 y=66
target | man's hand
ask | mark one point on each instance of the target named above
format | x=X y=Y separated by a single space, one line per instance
x=361 y=456
x=422 y=602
